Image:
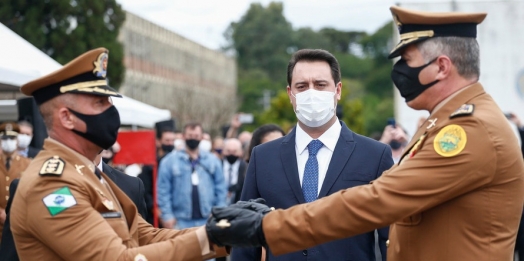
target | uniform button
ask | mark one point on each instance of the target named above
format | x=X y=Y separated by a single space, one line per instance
x=304 y=252
x=7 y=178
x=6 y=197
x=387 y=243
x=6 y=188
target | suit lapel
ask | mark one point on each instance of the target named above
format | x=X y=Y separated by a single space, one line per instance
x=343 y=150
x=288 y=156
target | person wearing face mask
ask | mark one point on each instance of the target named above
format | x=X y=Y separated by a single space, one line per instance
x=166 y=142
x=396 y=138
x=457 y=193
x=65 y=208
x=234 y=168
x=11 y=164
x=319 y=157
x=24 y=139
x=190 y=182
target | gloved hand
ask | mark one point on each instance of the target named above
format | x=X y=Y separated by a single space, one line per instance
x=258 y=205
x=235 y=226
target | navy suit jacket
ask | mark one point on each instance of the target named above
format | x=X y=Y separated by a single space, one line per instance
x=131 y=186
x=273 y=175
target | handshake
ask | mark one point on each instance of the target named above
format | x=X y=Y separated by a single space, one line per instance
x=238 y=225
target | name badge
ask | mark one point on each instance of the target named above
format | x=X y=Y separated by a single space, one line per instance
x=111 y=215
x=194 y=178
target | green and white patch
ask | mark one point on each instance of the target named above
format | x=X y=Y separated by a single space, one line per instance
x=59 y=201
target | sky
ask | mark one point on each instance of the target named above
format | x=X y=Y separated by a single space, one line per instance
x=205 y=21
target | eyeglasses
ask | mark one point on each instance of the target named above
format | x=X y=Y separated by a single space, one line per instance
x=8 y=137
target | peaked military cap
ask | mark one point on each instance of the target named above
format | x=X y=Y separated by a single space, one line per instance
x=86 y=74
x=9 y=129
x=417 y=26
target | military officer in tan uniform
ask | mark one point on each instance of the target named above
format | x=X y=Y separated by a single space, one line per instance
x=458 y=191
x=11 y=164
x=65 y=208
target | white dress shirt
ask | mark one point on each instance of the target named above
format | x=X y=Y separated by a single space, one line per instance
x=234 y=179
x=328 y=138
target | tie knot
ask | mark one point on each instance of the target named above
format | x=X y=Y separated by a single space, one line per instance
x=314 y=146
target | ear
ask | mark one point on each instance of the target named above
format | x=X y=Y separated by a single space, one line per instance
x=445 y=67
x=289 y=94
x=338 y=90
x=66 y=118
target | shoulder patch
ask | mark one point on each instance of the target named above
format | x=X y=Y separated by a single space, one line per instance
x=450 y=141
x=59 y=200
x=53 y=166
x=464 y=110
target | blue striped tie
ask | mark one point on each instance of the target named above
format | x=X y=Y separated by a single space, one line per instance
x=310 y=181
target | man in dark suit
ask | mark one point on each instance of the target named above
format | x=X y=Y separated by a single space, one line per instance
x=131 y=186
x=319 y=157
x=234 y=169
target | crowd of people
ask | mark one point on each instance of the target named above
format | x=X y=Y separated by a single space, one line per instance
x=455 y=191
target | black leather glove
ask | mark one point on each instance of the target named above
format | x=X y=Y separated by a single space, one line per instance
x=243 y=227
x=257 y=205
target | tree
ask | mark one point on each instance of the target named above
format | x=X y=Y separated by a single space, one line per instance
x=261 y=39
x=65 y=29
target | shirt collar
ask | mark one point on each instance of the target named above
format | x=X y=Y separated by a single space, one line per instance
x=329 y=138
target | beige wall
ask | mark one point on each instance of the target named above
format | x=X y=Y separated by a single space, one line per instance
x=171 y=72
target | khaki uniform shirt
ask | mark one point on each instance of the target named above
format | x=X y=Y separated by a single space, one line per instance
x=17 y=165
x=62 y=211
x=457 y=193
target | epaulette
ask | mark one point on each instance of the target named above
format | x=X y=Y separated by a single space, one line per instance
x=53 y=166
x=464 y=110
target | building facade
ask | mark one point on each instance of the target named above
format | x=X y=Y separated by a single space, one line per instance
x=168 y=71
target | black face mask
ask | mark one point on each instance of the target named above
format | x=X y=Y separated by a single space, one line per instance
x=395 y=144
x=406 y=79
x=231 y=159
x=101 y=129
x=106 y=160
x=168 y=148
x=192 y=144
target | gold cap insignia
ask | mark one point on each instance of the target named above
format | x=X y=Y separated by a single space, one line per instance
x=101 y=65
x=53 y=166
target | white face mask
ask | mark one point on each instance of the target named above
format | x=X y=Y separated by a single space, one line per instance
x=24 y=140
x=314 y=108
x=179 y=144
x=9 y=145
x=204 y=145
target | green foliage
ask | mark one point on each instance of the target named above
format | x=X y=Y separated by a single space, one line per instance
x=261 y=39
x=340 y=40
x=352 y=107
x=251 y=86
x=65 y=29
x=280 y=113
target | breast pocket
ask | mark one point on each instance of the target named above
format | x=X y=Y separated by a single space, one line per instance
x=364 y=177
x=118 y=224
x=412 y=220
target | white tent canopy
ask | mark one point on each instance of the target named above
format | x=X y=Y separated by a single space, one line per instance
x=133 y=112
x=22 y=62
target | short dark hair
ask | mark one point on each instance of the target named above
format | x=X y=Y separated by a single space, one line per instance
x=192 y=125
x=312 y=55
x=25 y=123
x=164 y=130
x=259 y=134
